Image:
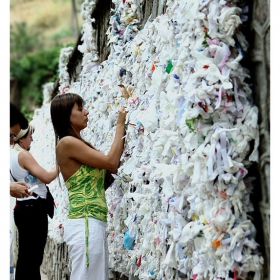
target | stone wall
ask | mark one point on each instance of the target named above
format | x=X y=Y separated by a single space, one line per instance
x=260 y=59
x=56 y=261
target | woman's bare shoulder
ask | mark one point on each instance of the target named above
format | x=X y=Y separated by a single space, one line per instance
x=25 y=158
x=68 y=142
x=23 y=154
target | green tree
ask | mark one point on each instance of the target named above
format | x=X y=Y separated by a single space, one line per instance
x=32 y=65
x=24 y=40
x=33 y=71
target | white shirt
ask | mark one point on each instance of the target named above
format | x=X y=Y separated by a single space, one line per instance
x=20 y=174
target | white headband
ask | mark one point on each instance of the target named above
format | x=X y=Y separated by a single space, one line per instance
x=23 y=132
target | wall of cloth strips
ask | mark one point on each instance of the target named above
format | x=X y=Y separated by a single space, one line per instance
x=180 y=205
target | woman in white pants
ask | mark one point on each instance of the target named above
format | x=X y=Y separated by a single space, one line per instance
x=83 y=169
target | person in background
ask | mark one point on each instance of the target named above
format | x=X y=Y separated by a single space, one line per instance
x=83 y=169
x=17 y=189
x=30 y=214
x=17 y=122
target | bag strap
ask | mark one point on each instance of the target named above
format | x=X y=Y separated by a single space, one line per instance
x=13 y=176
x=50 y=194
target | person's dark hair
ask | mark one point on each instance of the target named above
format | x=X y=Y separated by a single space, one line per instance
x=61 y=107
x=16 y=117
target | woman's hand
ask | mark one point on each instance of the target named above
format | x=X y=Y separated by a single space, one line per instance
x=126 y=93
x=19 y=189
x=122 y=116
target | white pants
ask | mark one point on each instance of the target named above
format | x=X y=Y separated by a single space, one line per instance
x=74 y=235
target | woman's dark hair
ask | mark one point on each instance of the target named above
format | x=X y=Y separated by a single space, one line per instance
x=61 y=107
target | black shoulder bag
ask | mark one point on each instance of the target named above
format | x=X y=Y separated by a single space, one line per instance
x=109 y=180
x=49 y=203
x=49 y=199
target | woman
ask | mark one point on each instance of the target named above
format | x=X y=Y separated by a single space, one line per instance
x=30 y=212
x=83 y=169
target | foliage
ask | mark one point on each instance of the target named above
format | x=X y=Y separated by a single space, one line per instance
x=24 y=40
x=33 y=71
x=32 y=64
x=27 y=112
x=35 y=45
x=56 y=37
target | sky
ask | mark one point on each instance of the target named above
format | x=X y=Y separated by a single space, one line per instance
x=4 y=123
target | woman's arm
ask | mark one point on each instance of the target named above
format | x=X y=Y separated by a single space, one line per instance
x=118 y=143
x=27 y=161
x=73 y=148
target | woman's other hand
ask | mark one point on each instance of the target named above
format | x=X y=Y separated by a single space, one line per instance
x=126 y=93
x=19 y=189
